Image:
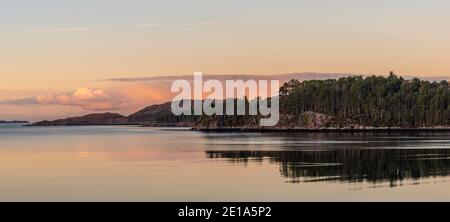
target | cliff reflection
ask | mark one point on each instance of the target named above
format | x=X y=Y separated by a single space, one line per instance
x=373 y=165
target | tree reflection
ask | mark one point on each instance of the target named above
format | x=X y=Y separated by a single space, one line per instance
x=372 y=165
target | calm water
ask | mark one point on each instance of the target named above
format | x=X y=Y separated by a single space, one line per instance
x=126 y=163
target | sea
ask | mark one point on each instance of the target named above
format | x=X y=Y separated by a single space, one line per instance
x=132 y=163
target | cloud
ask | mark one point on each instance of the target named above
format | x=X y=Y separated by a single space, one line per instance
x=144 y=91
x=281 y=77
x=223 y=77
x=90 y=99
x=126 y=98
x=70 y=29
x=23 y=101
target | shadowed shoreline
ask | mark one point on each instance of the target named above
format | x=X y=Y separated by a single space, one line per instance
x=322 y=130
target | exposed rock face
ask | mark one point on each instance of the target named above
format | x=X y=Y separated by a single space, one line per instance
x=91 y=119
x=315 y=120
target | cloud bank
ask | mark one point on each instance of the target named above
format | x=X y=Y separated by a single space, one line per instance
x=90 y=99
x=223 y=77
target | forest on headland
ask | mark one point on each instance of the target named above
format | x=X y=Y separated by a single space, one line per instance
x=371 y=101
x=353 y=102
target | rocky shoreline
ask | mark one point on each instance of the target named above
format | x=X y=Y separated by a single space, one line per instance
x=310 y=130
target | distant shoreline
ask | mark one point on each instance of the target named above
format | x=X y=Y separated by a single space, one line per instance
x=68 y=125
x=266 y=130
x=14 y=121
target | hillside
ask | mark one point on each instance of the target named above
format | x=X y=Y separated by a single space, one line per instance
x=160 y=115
x=91 y=119
x=155 y=115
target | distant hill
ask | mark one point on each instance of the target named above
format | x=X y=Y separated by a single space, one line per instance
x=160 y=115
x=91 y=119
x=155 y=115
x=13 y=121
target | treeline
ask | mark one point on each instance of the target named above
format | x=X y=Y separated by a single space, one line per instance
x=372 y=101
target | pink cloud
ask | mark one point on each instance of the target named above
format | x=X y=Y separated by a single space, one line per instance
x=131 y=94
x=90 y=99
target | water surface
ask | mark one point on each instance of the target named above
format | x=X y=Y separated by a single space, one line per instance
x=128 y=163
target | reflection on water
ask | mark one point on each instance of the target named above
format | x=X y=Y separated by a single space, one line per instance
x=373 y=165
x=128 y=163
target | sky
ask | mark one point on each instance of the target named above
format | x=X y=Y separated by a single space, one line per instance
x=57 y=57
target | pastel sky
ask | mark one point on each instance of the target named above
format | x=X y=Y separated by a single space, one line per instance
x=55 y=55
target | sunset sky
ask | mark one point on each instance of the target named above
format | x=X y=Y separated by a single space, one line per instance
x=57 y=58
